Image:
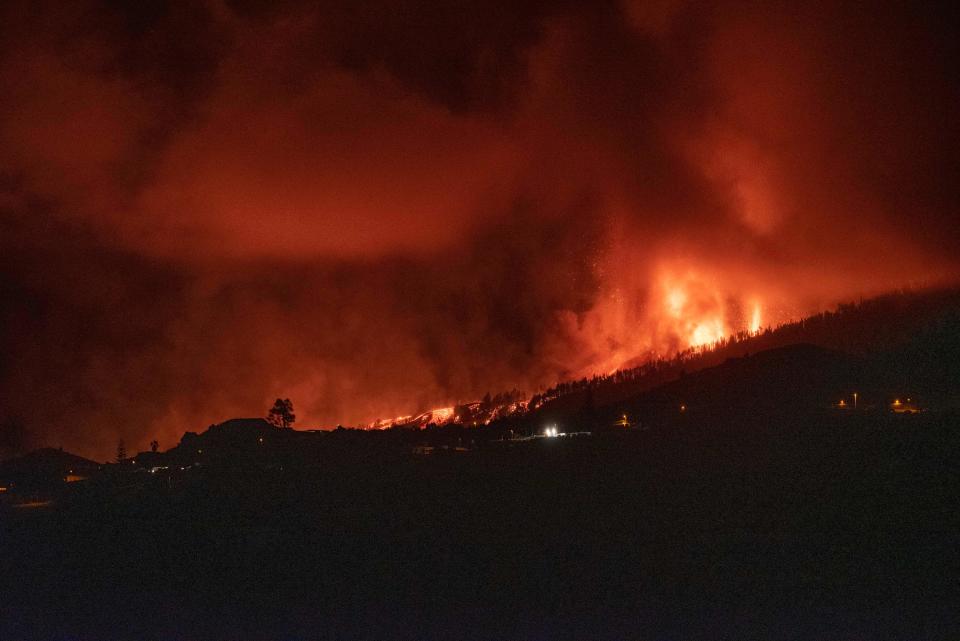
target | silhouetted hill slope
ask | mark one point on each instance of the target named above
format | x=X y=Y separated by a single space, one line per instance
x=926 y=364
x=46 y=461
x=238 y=442
x=775 y=382
x=45 y=470
x=908 y=340
x=796 y=377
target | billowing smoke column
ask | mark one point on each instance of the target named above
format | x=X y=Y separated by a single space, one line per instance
x=382 y=208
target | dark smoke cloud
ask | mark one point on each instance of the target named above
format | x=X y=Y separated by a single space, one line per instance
x=380 y=208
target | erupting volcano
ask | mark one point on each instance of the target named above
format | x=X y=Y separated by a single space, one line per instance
x=376 y=210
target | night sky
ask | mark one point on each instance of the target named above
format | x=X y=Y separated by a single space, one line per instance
x=375 y=208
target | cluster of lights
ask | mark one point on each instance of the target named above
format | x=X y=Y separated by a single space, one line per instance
x=551 y=431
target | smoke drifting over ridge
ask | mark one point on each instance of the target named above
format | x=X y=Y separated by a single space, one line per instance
x=380 y=209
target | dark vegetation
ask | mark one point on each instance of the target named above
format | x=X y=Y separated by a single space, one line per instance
x=739 y=504
x=281 y=414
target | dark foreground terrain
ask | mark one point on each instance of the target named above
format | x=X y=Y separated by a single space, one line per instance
x=809 y=525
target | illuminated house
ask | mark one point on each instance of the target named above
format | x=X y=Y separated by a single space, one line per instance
x=905 y=406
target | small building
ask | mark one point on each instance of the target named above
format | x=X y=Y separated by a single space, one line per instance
x=905 y=406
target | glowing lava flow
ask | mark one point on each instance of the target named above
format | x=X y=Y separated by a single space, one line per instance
x=755 y=318
x=707 y=332
x=436 y=416
x=698 y=317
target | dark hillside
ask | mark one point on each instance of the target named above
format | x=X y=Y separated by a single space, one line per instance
x=909 y=340
x=798 y=378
